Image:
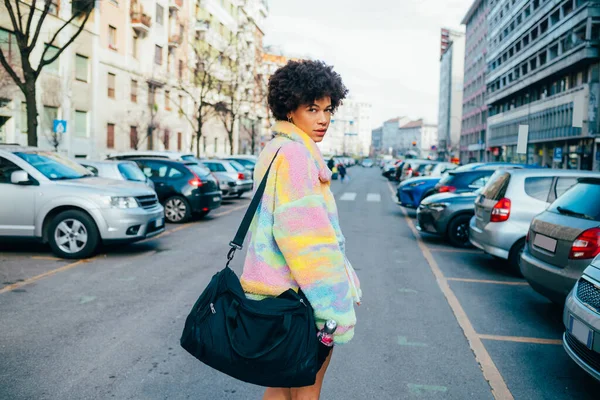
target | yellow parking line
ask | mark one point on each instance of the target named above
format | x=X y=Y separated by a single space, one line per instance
x=17 y=285
x=48 y=258
x=491 y=373
x=232 y=210
x=514 y=283
x=520 y=339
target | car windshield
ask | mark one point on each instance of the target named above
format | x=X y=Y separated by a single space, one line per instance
x=468 y=167
x=131 y=172
x=200 y=170
x=575 y=202
x=237 y=166
x=54 y=166
x=245 y=163
x=188 y=157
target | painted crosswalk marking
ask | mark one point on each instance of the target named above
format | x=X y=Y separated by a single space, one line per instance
x=348 y=196
x=375 y=197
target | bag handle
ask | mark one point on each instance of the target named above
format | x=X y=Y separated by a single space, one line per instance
x=232 y=314
x=238 y=241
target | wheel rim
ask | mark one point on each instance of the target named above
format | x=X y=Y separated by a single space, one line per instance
x=71 y=236
x=175 y=210
x=462 y=233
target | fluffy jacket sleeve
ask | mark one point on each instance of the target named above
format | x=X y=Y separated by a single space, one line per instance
x=304 y=234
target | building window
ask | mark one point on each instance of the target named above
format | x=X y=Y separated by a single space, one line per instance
x=180 y=70
x=110 y=136
x=51 y=52
x=167 y=100
x=8 y=44
x=81 y=124
x=134 y=47
x=167 y=139
x=160 y=14
x=216 y=144
x=179 y=140
x=134 y=90
x=180 y=105
x=81 y=68
x=112 y=37
x=50 y=114
x=111 y=85
x=151 y=96
x=133 y=137
x=158 y=55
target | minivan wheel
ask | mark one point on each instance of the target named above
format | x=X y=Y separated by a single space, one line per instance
x=514 y=257
x=73 y=234
x=177 y=210
x=458 y=231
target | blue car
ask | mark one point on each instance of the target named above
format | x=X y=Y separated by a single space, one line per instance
x=412 y=191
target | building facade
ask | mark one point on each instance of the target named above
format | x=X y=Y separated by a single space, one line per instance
x=474 y=112
x=350 y=130
x=451 y=93
x=402 y=136
x=543 y=72
x=127 y=82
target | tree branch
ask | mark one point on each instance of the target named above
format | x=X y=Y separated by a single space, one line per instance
x=19 y=15
x=11 y=13
x=11 y=72
x=38 y=27
x=30 y=18
x=61 y=49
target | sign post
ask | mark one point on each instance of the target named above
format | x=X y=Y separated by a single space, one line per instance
x=522 y=141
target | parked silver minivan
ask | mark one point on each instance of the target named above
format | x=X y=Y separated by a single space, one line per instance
x=121 y=170
x=48 y=197
x=508 y=204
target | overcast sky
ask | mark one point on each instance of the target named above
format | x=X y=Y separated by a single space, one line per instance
x=387 y=51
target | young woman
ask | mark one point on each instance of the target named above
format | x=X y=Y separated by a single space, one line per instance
x=295 y=238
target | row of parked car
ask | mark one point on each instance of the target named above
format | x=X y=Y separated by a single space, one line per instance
x=544 y=222
x=76 y=205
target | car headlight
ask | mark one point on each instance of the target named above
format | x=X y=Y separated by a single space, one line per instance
x=121 y=202
x=438 y=206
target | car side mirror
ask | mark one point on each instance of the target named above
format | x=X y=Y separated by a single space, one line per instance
x=20 y=178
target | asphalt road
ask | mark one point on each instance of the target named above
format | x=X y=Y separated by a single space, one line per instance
x=435 y=323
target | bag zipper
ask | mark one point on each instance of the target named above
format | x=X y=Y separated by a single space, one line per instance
x=302 y=301
x=212 y=308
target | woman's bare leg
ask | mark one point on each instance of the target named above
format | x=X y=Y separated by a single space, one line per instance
x=277 y=394
x=312 y=392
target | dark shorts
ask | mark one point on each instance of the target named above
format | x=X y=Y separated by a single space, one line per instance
x=323 y=353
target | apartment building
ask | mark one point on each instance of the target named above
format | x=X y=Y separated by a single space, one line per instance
x=474 y=111
x=402 y=136
x=349 y=132
x=452 y=63
x=543 y=72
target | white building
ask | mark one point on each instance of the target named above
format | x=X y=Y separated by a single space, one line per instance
x=350 y=130
x=452 y=64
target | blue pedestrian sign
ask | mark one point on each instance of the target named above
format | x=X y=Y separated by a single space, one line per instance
x=60 y=126
x=558 y=154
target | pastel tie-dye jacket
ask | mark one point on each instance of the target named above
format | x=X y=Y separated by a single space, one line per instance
x=295 y=237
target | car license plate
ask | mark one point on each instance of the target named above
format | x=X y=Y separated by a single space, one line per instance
x=581 y=332
x=159 y=222
x=544 y=242
x=217 y=198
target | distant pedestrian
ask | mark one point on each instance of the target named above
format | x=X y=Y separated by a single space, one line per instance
x=296 y=240
x=331 y=163
x=342 y=171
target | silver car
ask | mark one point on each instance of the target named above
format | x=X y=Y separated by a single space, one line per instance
x=581 y=317
x=50 y=198
x=231 y=171
x=121 y=170
x=508 y=204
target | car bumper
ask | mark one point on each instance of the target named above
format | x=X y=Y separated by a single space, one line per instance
x=427 y=221
x=206 y=201
x=132 y=224
x=406 y=198
x=496 y=238
x=244 y=186
x=549 y=280
x=588 y=359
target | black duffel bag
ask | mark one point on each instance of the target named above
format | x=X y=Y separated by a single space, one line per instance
x=271 y=342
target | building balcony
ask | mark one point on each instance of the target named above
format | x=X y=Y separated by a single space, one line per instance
x=175 y=5
x=175 y=41
x=141 y=22
x=202 y=25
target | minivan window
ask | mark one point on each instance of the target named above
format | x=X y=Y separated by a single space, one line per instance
x=53 y=166
x=497 y=185
x=564 y=184
x=538 y=187
x=576 y=201
x=6 y=170
x=131 y=172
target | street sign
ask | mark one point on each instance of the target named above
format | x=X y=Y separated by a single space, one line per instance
x=522 y=141
x=60 y=126
x=558 y=154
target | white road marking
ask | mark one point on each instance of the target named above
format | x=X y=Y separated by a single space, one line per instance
x=348 y=196
x=375 y=197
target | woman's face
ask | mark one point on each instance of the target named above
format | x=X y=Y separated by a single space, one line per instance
x=313 y=118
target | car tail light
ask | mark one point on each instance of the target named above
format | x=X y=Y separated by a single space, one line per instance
x=587 y=245
x=416 y=173
x=501 y=211
x=446 y=189
x=196 y=182
x=241 y=176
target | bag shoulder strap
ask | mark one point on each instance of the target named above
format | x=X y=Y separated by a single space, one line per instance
x=238 y=241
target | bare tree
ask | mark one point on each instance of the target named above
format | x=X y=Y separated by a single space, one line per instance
x=27 y=35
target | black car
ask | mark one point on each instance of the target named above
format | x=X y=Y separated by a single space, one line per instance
x=463 y=181
x=183 y=187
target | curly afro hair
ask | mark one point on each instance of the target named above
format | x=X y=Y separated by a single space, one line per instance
x=302 y=82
